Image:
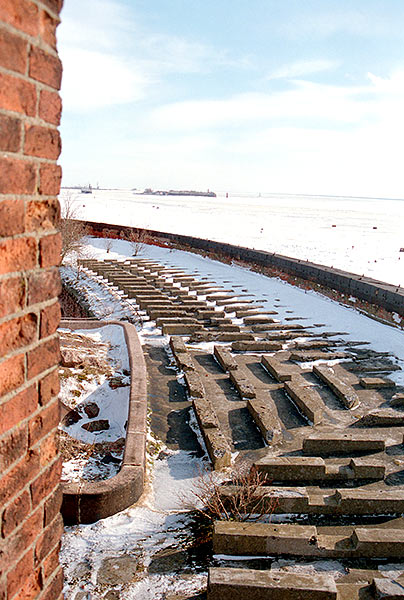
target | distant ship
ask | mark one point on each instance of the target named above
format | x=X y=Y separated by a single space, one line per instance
x=87 y=190
x=149 y=191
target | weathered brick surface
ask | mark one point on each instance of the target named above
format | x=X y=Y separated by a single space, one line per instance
x=12 y=445
x=48 y=540
x=12 y=295
x=45 y=67
x=17 y=333
x=43 y=423
x=43 y=357
x=46 y=482
x=49 y=387
x=10 y=136
x=42 y=142
x=30 y=107
x=12 y=373
x=11 y=213
x=18 y=408
x=50 y=176
x=22 y=14
x=13 y=51
x=50 y=107
x=17 y=94
x=16 y=176
x=43 y=214
x=17 y=254
x=50 y=318
x=43 y=285
x=15 y=513
x=50 y=248
x=19 y=476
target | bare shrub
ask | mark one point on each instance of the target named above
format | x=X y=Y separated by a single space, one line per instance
x=108 y=243
x=138 y=241
x=73 y=231
x=244 y=504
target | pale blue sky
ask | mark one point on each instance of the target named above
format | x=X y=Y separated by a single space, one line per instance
x=300 y=96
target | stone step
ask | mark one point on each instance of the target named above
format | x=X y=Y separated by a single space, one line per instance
x=264 y=539
x=307 y=400
x=280 y=371
x=263 y=411
x=309 y=468
x=180 y=328
x=225 y=358
x=346 y=442
x=311 y=355
x=242 y=383
x=314 y=501
x=256 y=346
x=341 y=389
x=239 y=584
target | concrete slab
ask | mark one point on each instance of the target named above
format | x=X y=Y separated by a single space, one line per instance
x=239 y=584
x=307 y=400
x=341 y=389
x=346 y=442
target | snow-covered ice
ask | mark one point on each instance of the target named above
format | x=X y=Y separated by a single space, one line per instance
x=360 y=235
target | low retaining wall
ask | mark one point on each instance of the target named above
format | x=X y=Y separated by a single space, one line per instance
x=89 y=501
x=384 y=295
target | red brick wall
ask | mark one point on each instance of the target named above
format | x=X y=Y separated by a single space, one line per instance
x=30 y=523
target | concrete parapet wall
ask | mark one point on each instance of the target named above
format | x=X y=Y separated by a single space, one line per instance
x=89 y=501
x=384 y=295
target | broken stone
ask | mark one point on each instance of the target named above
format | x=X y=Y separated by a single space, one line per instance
x=99 y=425
x=91 y=409
x=72 y=417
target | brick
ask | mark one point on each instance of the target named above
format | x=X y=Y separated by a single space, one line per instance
x=13 y=51
x=12 y=373
x=18 y=408
x=53 y=505
x=12 y=446
x=17 y=254
x=49 y=387
x=32 y=586
x=50 y=537
x=17 y=95
x=50 y=319
x=12 y=295
x=44 y=285
x=50 y=107
x=15 y=513
x=18 y=576
x=19 y=476
x=10 y=134
x=42 y=214
x=20 y=14
x=54 y=589
x=48 y=449
x=12 y=215
x=45 y=67
x=51 y=563
x=54 y=5
x=42 y=142
x=17 y=333
x=47 y=28
x=43 y=423
x=50 y=177
x=22 y=538
x=45 y=484
x=43 y=357
x=50 y=248
x=16 y=176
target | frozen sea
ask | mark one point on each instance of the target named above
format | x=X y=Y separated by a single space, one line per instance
x=360 y=235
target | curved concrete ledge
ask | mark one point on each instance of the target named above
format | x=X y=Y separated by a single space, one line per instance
x=89 y=501
x=387 y=296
